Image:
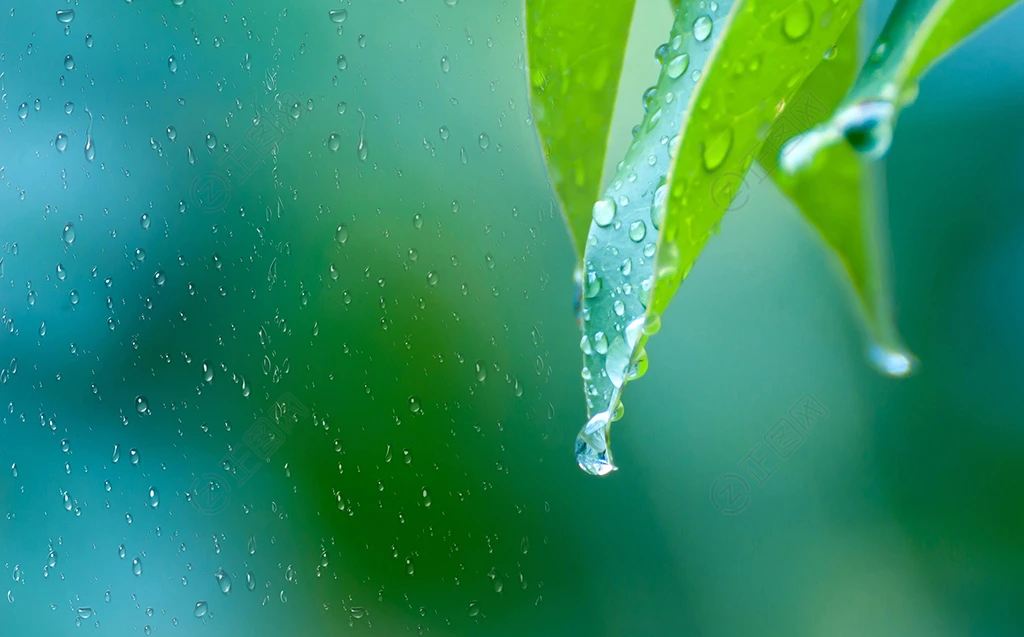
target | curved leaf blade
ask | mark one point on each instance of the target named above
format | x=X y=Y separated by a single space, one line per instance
x=840 y=197
x=916 y=35
x=727 y=75
x=575 y=56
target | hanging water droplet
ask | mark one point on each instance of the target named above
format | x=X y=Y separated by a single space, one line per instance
x=144 y=221
x=69 y=62
x=445 y=65
x=154 y=497
x=211 y=141
x=342 y=63
x=334 y=142
x=593 y=453
x=604 y=211
x=341 y=234
x=702 y=28
x=90 y=149
x=69 y=234
x=172 y=64
x=897 y=363
x=73 y=296
x=485 y=141
x=172 y=133
x=252 y=545
x=133 y=456
x=61 y=143
x=137 y=566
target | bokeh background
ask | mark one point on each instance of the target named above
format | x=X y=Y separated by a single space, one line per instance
x=322 y=306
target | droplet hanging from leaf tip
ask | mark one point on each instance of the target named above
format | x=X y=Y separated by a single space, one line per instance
x=893 y=361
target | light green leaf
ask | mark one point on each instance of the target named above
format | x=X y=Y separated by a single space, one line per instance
x=916 y=35
x=575 y=53
x=843 y=199
x=728 y=73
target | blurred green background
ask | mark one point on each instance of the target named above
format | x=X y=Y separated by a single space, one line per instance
x=412 y=308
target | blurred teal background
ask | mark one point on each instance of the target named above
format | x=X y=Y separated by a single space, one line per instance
x=395 y=385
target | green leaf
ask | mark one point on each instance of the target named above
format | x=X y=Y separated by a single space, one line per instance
x=916 y=35
x=843 y=200
x=727 y=74
x=575 y=54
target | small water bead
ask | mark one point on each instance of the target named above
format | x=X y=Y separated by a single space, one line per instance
x=414 y=405
x=637 y=230
x=797 y=22
x=649 y=96
x=172 y=64
x=69 y=107
x=445 y=64
x=485 y=141
x=136 y=566
x=341 y=234
x=154 y=497
x=334 y=142
x=73 y=296
x=604 y=212
x=223 y=580
x=443 y=132
x=172 y=133
x=702 y=28
x=601 y=343
x=432 y=278
x=661 y=53
x=61 y=143
x=69 y=63
x=133 y=456
x=69 y=234
x=159 y=278
x=678 y=66
x=338 y=15
x=342 y=63
x=591 y=285
x=144 y=221
x=717 y=149
x=65 y=16
x=200 y=610
x=831 y=53
x=211 y=141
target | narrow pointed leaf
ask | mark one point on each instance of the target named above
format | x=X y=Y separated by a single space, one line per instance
x=837 y=195
x=575 y=54
x=916 y=35
x=726 y=77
